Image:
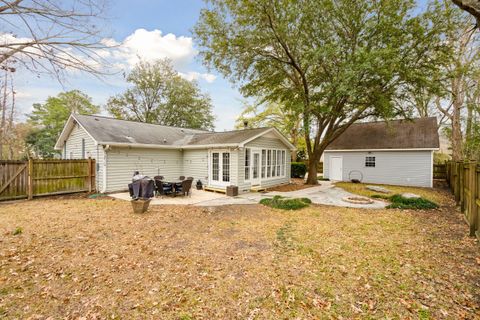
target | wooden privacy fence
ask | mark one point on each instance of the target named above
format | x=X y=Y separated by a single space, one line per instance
x=464 y=181
x=27 y=179
x=439 y=171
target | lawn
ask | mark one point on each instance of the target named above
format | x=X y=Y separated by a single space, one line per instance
x=74 y=257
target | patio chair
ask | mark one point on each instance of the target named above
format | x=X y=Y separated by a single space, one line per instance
x=165 y=189
x=184 y=187
x=181 y=178
x=190 y=178
x=158 y=178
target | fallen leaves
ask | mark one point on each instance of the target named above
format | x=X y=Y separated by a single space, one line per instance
x=91 y=259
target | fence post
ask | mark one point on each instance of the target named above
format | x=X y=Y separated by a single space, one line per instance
x=30 y=178
x=456 y=188
x=472 y=218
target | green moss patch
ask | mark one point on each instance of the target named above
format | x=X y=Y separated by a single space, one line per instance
x=279 y=202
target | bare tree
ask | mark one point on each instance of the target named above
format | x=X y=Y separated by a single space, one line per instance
x=471 y=6
x=52 y=36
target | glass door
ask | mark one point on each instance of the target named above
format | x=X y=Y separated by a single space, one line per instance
x=220 y=168
x=256 y=168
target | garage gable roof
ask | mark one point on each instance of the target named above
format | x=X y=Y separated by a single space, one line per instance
x=420 y=133
x=104 y=130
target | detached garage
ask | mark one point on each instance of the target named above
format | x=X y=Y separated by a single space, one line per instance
x=398 y=152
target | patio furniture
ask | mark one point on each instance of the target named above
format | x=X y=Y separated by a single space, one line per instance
x=166 y=188
x=183 y=187
x=190 y=178
x=158 y=184
x=181 y=178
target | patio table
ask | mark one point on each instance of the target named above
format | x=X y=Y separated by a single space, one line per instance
x=173 y=183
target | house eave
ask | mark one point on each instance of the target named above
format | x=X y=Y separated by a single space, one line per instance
x=397 y=149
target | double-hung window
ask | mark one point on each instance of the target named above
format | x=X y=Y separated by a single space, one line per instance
x=269 y=163
x=370 y=161
x=264 y=156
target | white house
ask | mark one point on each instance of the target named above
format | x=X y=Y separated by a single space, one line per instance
x=249 y=159
x=398 y=152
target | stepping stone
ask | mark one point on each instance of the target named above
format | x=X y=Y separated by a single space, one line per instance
x=410 y=195
x=378 y=189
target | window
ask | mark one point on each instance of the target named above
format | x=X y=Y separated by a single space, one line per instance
x=279 y=162
x=215 y=166
x=369 y=161
x=274 y=162
x=225 y=166
x=283 y=163
x=83 y=148
x=256 y=162
x=247 y=164
x=264 y=152
x=269 y=162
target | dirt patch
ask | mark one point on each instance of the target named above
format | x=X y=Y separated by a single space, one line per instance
x=96 y=259
x=294 y=185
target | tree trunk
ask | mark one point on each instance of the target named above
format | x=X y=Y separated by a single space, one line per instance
x=312 y=166
x=457 y=139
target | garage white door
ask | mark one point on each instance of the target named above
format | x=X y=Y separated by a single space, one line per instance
x=336 y=168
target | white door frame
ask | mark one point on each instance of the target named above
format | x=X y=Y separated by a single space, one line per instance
x=220 y=181
x=255 y=181
x=330 y=168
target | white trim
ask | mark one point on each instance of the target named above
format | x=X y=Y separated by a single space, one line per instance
x=160 y=146
x=431 y=163
x=363 y=150
x=104 y=187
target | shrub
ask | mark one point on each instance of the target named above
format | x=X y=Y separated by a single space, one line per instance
x=279 y=202
x=17 y=231
x=298 y=170
x=400 y=202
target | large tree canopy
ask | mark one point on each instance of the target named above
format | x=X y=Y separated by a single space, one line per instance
x=49 y=118
x=159 y=95
x=335 y=62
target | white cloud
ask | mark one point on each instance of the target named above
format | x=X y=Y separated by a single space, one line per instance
x=152 y=45
x=192 y=75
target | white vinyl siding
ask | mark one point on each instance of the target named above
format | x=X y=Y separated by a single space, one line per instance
x=80 y=145
x=122 y=162
x=408 y=168
x=195 y=164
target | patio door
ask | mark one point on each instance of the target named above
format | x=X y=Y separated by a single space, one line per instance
x=219 y=173
x=255 y=168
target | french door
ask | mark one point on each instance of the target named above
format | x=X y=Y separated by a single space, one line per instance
x=256 y=167
x=219 y=168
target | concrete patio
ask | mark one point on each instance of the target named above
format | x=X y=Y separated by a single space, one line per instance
x=326 y=194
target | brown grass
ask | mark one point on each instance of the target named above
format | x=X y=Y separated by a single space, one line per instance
x=91 y=258
x=438 y=196
x=294 y=185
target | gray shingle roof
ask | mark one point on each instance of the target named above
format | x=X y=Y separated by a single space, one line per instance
x=421 y=133
x=104 y=130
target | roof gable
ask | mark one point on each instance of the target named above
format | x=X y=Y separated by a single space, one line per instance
x=420 y=133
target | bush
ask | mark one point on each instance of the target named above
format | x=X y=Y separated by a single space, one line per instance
x=279 y=202
x=400 y=202
x=299 y=169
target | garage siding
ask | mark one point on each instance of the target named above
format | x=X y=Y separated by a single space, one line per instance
x=195 y=164
x=122 y=162
x=74 y=151
x=408 y=168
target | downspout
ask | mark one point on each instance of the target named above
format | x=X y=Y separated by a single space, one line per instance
x=105 y=149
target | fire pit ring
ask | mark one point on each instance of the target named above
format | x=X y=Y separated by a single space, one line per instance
x=358 y=200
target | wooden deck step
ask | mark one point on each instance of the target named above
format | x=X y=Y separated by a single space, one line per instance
x=213 y=189
x=258 y=189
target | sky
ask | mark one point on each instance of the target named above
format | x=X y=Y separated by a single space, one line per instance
x=151 y=29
